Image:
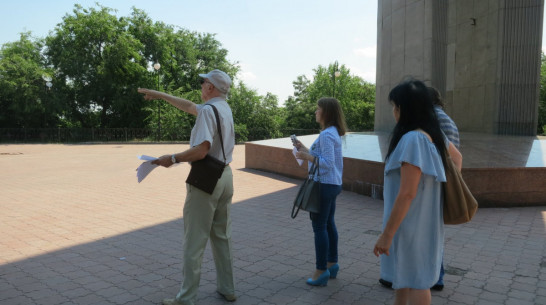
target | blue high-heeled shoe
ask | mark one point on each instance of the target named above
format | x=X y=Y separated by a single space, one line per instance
x=333 y=271
x=321 y=281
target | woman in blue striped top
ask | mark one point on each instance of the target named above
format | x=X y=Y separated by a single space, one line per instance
x=327 y=149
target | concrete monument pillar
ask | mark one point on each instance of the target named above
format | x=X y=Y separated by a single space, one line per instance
x=482 y=55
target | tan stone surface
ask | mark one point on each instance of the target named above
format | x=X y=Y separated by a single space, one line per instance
x=77 y=228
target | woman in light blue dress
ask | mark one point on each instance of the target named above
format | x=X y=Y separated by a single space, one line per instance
x=411 y=244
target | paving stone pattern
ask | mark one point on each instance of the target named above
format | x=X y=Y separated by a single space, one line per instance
x=77 y=228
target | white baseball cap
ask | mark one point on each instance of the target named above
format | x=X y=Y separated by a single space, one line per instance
x=219 y=79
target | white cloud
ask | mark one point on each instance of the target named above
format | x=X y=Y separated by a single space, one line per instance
x=369 y=52
x=368 y=75
x=246 y=76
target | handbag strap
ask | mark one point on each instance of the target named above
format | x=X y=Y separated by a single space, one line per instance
x=314 y=168
x=219 y=129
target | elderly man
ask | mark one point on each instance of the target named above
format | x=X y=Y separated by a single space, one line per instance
x=205 y=215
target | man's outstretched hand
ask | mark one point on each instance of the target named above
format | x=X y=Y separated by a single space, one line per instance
x=150 y=94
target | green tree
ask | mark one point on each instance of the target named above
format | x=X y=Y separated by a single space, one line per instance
x=24 y=98
x=100 y=60
x=300 y=108
x=99 y=65
x=256 y=117
x=357 y=98
x=182 y=56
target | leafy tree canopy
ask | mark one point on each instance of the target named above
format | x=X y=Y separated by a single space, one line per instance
x=22 y=88
x=94 y=62
x=357 y=98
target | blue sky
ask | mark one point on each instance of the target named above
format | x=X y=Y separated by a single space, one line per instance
x=273 y=41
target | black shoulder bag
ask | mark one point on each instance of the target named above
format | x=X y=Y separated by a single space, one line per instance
x=308 y=197
x=205 y=173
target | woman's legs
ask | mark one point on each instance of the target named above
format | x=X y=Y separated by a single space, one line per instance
x=324 y=229
x=401 y=296
x=331 y=227
x=407 y=296
x=318 y=221
x=419 y=297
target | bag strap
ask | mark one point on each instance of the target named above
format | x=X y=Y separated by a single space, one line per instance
x=219 y=129
x=315 y=167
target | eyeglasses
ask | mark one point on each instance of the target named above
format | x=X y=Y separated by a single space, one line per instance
x=203 y=80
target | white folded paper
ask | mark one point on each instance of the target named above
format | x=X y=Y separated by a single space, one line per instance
x=146 y=167
x=147 y=158
x=294 y=151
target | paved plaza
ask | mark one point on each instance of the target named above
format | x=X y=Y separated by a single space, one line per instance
x=77 y=228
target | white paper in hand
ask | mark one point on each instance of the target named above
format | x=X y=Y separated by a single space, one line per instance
x=294 y=151
x=146 y=167
x=147 y=158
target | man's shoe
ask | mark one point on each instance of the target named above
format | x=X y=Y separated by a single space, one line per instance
x=228 y=297
x=170 y=302
x=438 y=287
x=385 y=283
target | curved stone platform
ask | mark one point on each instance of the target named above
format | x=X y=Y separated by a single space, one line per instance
x=501 y=171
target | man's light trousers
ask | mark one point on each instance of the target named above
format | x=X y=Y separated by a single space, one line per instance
x=208 y=216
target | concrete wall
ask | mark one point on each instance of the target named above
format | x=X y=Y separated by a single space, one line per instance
x=482 y=55
x=519 y=81
x=492 y=186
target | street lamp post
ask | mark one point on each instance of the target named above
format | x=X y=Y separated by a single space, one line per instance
x=47 y=79
x=337 y=73
x=157 y=66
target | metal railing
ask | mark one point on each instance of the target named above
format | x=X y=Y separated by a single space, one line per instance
x=71 y=135
x=79 y=135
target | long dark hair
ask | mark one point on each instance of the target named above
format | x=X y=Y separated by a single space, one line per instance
x=332 y=114
x=436 y=97
x=416 y=111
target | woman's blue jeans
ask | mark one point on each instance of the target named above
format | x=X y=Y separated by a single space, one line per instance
x=324 y=226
